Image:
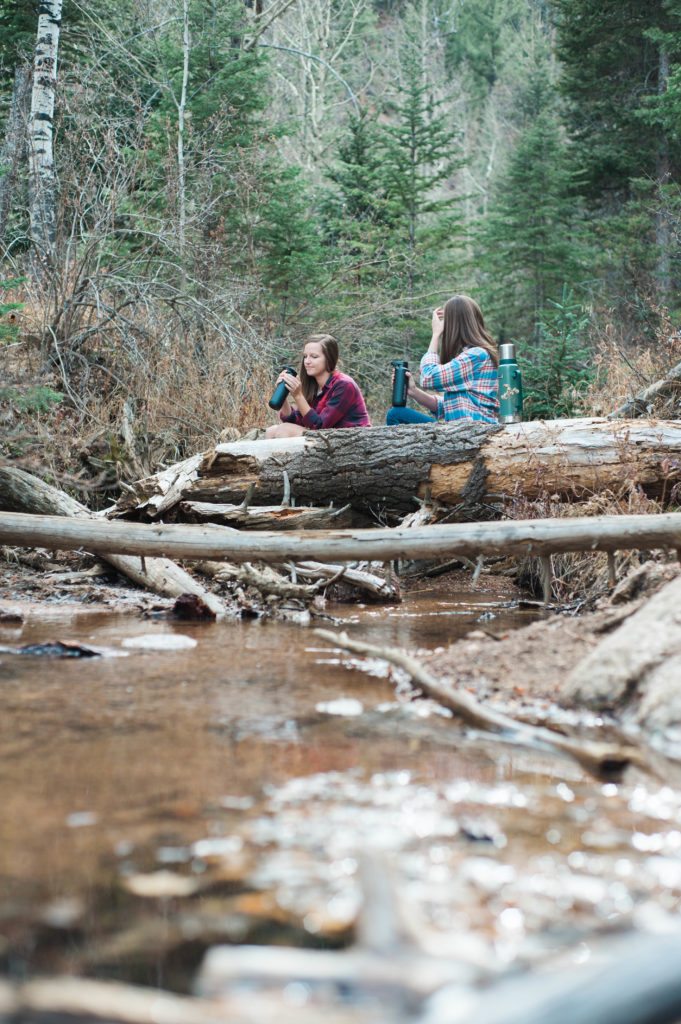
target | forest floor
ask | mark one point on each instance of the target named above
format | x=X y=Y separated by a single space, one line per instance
x=524 y=669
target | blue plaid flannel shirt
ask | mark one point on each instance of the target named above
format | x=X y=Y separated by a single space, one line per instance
x=469 y=382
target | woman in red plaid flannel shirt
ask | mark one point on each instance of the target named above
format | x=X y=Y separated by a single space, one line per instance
x=320 y=396
x=461 y=363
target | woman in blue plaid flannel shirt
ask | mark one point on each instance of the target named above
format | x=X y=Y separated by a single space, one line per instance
x=461 y=363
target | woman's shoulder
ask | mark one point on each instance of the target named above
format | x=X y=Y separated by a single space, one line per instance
x=477 y=351
x=345 y=379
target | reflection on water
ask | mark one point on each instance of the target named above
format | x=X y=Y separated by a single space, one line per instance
x=156 y=803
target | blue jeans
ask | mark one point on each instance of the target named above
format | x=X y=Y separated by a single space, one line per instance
x=397 y=415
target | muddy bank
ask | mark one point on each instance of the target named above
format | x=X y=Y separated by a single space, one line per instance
x=526 y=670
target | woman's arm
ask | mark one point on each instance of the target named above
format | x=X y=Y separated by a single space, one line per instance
x=342 y=397
x=456 y=375
x=429 y=402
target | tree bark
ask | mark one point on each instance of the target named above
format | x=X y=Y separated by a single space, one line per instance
x=42 y=178
x=14 y=147
x=385 y=469
x=638 y=667
x=20 y=491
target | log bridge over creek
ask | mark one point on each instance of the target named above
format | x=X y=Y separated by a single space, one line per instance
x=539 y=537
x=383 y=470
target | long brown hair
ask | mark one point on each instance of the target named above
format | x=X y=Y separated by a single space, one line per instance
x=464 y=327
x=330 y=351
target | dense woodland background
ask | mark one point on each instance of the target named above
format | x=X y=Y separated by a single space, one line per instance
x=229 y=177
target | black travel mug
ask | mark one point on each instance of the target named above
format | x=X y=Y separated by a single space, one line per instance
x=281 y=391
x=400 y=382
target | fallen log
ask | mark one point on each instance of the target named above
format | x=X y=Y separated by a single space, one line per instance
x=541 y=537
x=637 y=668
x=387 y=468
x=266 y=580
x=376 y=586
x=20 y=490
x=642 y=404
x=266 y=517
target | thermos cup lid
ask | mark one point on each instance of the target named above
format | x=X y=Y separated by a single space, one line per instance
x=507 y=350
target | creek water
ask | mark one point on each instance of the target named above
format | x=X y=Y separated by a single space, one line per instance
x=154 y=803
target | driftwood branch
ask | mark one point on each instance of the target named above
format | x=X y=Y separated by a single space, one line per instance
x=601 y=759
x=279 y=517
x=264 y=579
x=539 y=537
x=377 y=586
x=20 y=490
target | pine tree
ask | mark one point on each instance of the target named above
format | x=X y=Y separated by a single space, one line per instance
x=619 y=79
x=477 y=42
x=291 y=259
x=421 y=154
x=357 y=216
x=611 y=55
x=530 y=243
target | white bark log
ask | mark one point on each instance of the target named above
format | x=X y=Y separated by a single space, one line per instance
x=387 y=468
x=520 y=537
x=42 y=177
x=638 y=667
x=159 y=575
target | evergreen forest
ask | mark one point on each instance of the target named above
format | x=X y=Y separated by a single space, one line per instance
x=229 y=176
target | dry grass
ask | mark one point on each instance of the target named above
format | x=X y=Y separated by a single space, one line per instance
x=176 y=382
x=585 y=576
x=624 y=369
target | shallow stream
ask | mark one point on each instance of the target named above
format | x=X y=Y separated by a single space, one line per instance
x=155 y=803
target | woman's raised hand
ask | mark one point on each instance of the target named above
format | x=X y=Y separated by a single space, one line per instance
x=438 y=322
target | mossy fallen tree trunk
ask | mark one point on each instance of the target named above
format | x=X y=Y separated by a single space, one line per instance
x=386 y=469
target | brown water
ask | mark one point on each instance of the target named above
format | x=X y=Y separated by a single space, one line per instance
x=231 y=768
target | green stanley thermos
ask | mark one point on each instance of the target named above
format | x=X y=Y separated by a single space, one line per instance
x=510 y=385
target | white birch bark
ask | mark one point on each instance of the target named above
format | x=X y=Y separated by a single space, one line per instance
x=14 y=147
x=663 y=174
x=42 y=177
x=181 y=111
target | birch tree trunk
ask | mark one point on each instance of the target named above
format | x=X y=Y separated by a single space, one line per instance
x=42 y=178
x=14 y=146
x=663 y=175
x=181 y=112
